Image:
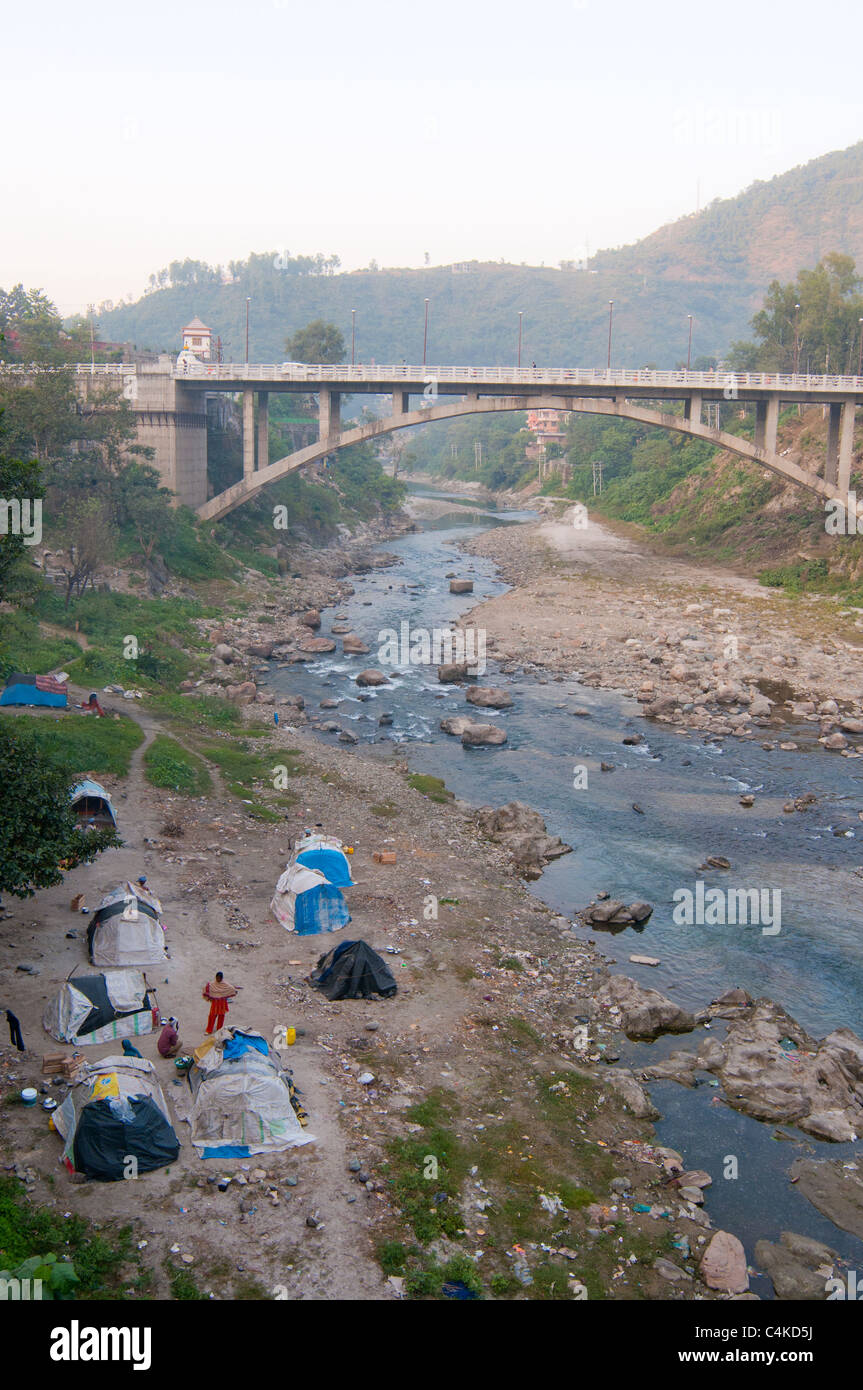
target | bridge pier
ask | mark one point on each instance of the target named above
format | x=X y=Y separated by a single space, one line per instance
x=401 y=402
x=248 y=433
x=329 y=413
x=692 y=408
x=263 y=428
x=766 y=424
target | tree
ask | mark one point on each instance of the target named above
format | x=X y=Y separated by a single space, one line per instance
x=21 y=483
x=38 y=830
x=809 y=324
x=87 y=544
x=318 y=342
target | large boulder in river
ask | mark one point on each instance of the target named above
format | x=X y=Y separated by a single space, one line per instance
x=222 y=652
x=612 y=913
x=461 y=586
x=488 y=697
x=833 y=1189
x=771 y=1069
x=316 y=645
x=311 y=618
x=798 y=1266
x=372 y=677
x=264 y=649
x=452 y=672
x=483 y=736
x=353 y=645
x=645 y=1013
x=456 y=724
x=523 y=834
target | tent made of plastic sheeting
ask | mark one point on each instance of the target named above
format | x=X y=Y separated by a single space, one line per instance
x=305 y=902
x=92 y=804
x=326 y=854
x=352 y=970
x=35 y=690
x=241 y=1098
x=115 y=1122
x=99 y=1008
x=127 y=929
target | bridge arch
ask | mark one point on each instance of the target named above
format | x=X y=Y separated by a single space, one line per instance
x=254 y=482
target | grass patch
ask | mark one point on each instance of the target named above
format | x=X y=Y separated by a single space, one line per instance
x=82 y=744
x=386 y=810
x=23 y=647
x=98 y=1256
x=205 y=712
x=425 y=1170
x=432 y=787
x=168 y=764
x=183 y=1286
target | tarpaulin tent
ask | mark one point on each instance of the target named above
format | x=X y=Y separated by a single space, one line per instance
x=127 y=928
x=35 y=690
x=99 y=1008
x=115 y=1122
x=306 y=903
x=92 y=804
x=352 y=970
x=241 y=1098
x=326 y=854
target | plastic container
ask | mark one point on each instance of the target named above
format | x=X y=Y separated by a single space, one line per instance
x=29 y=1095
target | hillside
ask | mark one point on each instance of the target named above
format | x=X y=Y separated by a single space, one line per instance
x=715 y=265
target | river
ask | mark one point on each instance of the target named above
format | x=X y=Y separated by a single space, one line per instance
x=813 y=965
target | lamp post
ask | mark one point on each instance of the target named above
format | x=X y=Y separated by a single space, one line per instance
x=426 y=333
x=353 y=336
x=248 y=302
x=860 y=353
x=796 y=337
x=610 y=313
x=520 y=317
x=689 y=349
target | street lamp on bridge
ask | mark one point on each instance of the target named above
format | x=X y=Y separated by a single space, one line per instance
x=353 y=336
x=610 y=313
x=248 y=302
x=426 y=333
x=689 y=349
x=796 y=338
x=520 y=317
x=860 y=353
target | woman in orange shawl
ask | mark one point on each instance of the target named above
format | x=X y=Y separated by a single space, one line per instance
x=218 y=992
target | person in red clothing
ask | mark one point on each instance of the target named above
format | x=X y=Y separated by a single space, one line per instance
x=169 y=1039
x=218 y=992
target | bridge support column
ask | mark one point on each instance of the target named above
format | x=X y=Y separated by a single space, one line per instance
x=263 y=428
x=766 y=424
x=248 y=433
x=692 y=408
x=401 y=402
x=834 y=422
x=329 y=413
x=846 y=445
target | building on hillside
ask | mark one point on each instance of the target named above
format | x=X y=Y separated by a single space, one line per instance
x=198 y=338
x=548 y=425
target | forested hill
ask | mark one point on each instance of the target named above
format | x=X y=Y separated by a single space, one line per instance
x=715 y=265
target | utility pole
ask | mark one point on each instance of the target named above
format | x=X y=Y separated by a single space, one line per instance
x=689 y=349
x=610 y=313
x=860 y=353
x=426 y=333
x=477 y=455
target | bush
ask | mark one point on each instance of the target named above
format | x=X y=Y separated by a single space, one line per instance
x=168 y=764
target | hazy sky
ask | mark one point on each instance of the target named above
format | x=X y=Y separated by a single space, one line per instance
x=136 y=135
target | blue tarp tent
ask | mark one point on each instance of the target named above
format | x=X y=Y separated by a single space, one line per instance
x=92 y=804
x=306 y=903
x=34 y=690
x=327 y=855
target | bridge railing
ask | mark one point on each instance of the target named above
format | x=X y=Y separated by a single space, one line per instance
x=467 y=378
x=568 y=377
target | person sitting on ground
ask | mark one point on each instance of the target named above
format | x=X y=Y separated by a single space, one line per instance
x=169 y=1039
x=129 y=1050
x=218 y=993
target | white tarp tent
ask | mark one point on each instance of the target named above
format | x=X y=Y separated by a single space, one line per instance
x=126 y=928
x=241 y=1098
x=100 y=1007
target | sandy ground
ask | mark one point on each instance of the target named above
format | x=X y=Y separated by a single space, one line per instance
x=592 y=601
x=215 y=884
